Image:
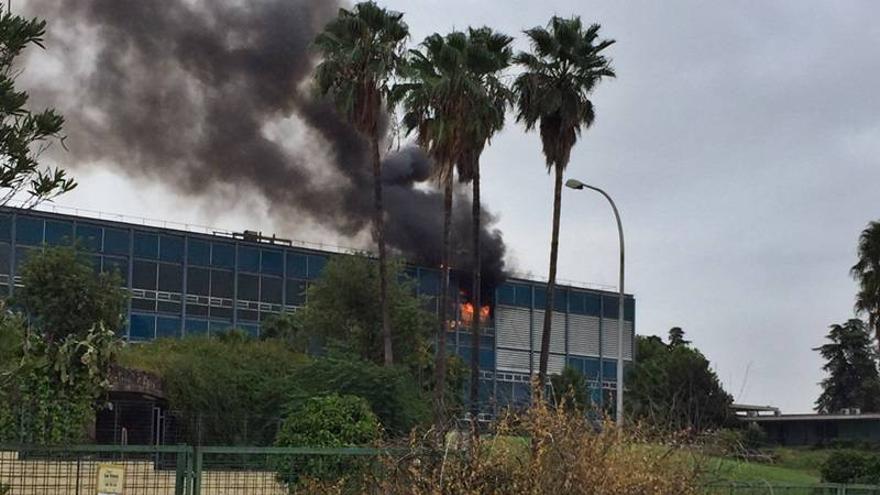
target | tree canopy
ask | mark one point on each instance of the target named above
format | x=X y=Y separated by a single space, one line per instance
x=852 y=380
x=867 y=273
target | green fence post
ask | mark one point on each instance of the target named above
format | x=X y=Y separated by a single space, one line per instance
x=181 y=471
x=197 y=471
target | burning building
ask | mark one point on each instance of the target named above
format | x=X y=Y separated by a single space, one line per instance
x=185 y=282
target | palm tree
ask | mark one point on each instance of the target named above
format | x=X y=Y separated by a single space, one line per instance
x=454 y=102
x=362 y=51
x=867 y=272
x=488 y=54
x=553 y=92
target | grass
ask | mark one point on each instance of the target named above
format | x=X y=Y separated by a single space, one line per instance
x=734 y=470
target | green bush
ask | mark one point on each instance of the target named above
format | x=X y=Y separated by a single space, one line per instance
x=850 y=466
x=328 y=421
x=223 y=390
x=391 y=392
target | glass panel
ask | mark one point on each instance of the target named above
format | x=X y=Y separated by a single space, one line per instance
x=196 y=327
x=116 y=241
x=609 y=370
x=248 y=287
x=167 y=327
x=487 y=359
x=270 y=290
x=21 y=256
x=6 y=228
x=506 y=294
x=28 y=230
x=222 y=255
x=296 y=293
x=592 y=304
x=143 y=304
x=248 y=259
x=609 y=307
x=198 y=281
x=297 y=265
x=89 y=237
x=247 y=314
x=143 y=275
x=222 y=284
x=591 y=369
x=117 y=265
x=629 y=309
x=171 y=248
x=143 y=327
x=316 y=265
x=540 y=297
x=199 y=253
x=576 y=302
x=216 y=312
x=576 y=363
x=560 y=300
x=272 y=262
x=170 y=277
x=5 y=258
x=523 y=296
x=429 y=282
x=196 y=310
x=168 y=307
x=59 y=233
x=146 y=245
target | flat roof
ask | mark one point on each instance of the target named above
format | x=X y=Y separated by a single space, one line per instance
x=813 y=417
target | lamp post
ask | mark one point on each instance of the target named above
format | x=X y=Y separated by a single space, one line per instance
x=576 y=184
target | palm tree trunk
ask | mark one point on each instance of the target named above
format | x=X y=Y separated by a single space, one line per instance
x=475 y=296
x=379 y=230
x=440 y=354
x=551 y=281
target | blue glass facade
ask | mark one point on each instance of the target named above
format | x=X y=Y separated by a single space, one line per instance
x=183 y=283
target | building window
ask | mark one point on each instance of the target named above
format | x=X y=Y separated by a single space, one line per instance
x=316 y=265
x=116 y=241
x=270 y=290
x=248 y=259
x=196 y=327
x=143 y=327
x=59 y=233
x=296 y=293
x=248 y=287
x=610 y=307
x=198 y=281
x=170 y=277
x=144 y=275
x=167 y=327
x=28 y=231
x=89 y=237
x=297 y=265
x=6 y=228
x=199 y=253
x=146 y=245
x=171 y=248
x=117 y=265
x=272 y=262
x=222 y=284
x=222 y=255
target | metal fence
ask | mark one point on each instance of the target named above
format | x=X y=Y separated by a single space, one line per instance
x=186 y=470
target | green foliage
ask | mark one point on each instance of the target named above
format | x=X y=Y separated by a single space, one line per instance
x=570 y=387
x=565 y=65
x=867 y=273
x=23 y=133
x=673 y=386
x=343 y=312
x=62 y=295
x=849 y=466
x=226 y=391
x=328 y=421
x=853 y=379
x=284 y=327
x=391 y=392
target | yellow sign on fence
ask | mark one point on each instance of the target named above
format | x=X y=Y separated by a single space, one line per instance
x=111 y=479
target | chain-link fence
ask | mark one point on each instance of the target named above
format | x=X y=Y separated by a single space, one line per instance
x=763 y=488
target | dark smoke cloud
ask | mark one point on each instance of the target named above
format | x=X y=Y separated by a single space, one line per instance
x=182 y=92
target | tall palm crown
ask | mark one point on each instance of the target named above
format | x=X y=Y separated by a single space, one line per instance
x=362 y=50
x=867 y=272
x=554 y=91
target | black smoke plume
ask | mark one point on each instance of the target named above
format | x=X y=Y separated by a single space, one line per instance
x=186 y=91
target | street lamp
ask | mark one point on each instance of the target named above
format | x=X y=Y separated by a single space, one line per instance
x=576 y=184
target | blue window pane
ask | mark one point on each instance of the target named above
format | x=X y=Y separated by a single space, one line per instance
x=248 y=287
x=59 y=233
x=144 y=275
x=116 y=241
x=591 y=369
x=222 y=284
x=506 y=294
x=523 y=296
x=296 y=292
x=28 y=231
x=540 y=298
x=609 y=370
x=5 y=258
x=316 y=265
x=222 y=255
x=576 y=302
x=196 y=327
x=592 y=304
x=219 y=326
x=270 y=290
x=576 y=363
x=429 y=282
x=117 y=265
x=199 y=252
x=6 y=228
x=248 y=259
x=487 y=359
x=198 y=281
x=170 y=277
x=609 y=307
x=629 y=309
x=146 y=245
x=167 y=327
x=297 y=265
x=21 y=257
x=272 y=262
x=89 y=237
x=143 y=327
x=560 y=300
x=171 y=248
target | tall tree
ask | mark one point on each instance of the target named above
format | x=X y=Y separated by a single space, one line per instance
x=867 y=272
x=362 y=51
x=446 y=82
x=25 y=134
x=853 y=380
x=553 y=93
x=488 y=55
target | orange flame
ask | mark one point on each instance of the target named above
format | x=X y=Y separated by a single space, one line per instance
x=467 y=312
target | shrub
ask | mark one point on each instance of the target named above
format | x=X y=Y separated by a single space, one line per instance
x=391 y=392
x=328 y=421
x=850 y=466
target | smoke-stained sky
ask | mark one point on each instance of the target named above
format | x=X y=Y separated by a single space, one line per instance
x=740 y=140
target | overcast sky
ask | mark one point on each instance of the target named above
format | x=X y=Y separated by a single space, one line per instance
x=741 y=141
